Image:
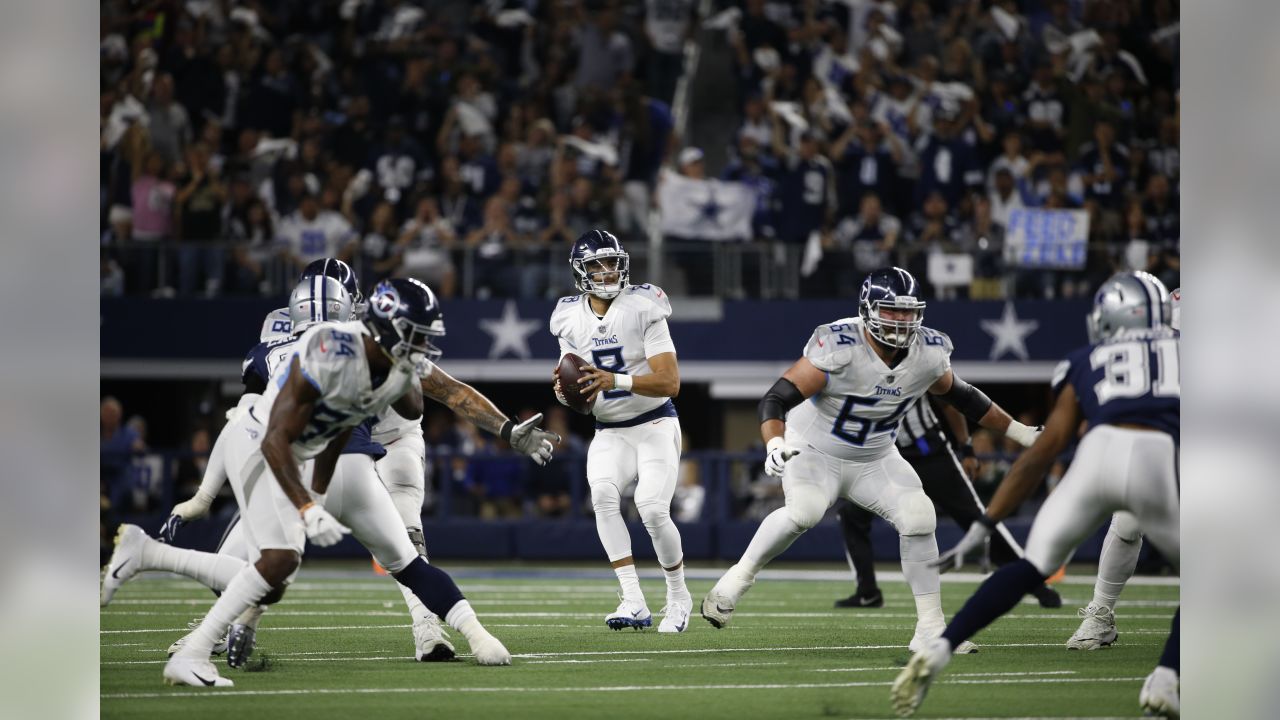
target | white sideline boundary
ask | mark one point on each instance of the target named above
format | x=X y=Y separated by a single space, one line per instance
x=595 y=689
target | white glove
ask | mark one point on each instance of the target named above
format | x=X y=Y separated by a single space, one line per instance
x=1024 y=435
x=972 y=540
x=197 y=507
x=529 y=439
x=323 y=529
x=778 y=455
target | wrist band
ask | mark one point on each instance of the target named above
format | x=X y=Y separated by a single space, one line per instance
x=622 y=381
x=987 y=521
x=966 y=451
x=303 y=510
x=505 y=432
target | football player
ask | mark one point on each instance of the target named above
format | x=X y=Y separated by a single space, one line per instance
x=341 y=375
x=860 y=374
x=1118 y=560
x=278 y=322
x=1126 y=385
x=622 y=330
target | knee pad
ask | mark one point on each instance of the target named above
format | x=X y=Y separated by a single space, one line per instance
x=1125 y=526
x=806 y=506
x=654 y=513
x=419 y=541
x=915 y=514
x=605 y=499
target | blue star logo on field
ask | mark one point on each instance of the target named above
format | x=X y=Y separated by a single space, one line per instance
x=1009 y=334
x=510 y=334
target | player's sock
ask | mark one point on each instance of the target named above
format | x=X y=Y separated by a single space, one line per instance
x=675 y=581
x=433 y=586
x=462 y=617
x=419 y=611
x=213 y=571
x=243 y=592
x=917 y=552
x=1171 y=657
x=251 y=617
x=993 y=598
x=630 y=583
x=775 y=534
x=1115 y=566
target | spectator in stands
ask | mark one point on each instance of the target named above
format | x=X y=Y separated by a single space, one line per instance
x=169 y=127
x=311 y=233
x=690 y=495
x=491 y=245
x=425 y=242
x=869 y=240
x=550 y=485
x=199 y=221
x=191 y=468
x=254 y=244
x=667 y=24
x=118 y=443
x=604 y=52
x=866 y=157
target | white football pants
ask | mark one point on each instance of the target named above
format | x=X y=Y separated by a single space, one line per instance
x=1114 y=469
x=649 y=454
x=403 y=471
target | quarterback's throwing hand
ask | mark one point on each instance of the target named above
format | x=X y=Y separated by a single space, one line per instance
x=323 y=529
x=779 y=454
x=972 y=540
x=529 y=439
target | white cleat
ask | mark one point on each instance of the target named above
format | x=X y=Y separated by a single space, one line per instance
x=629 y=615
x=126 y=561
x=719 y=604
x=926 y=634
x=1159 y=696
x=491 y=651
x=431 y=642
x=1098 y=630
x=219 y=647
x=675 y=616
x=196 y=672
x=913 y=682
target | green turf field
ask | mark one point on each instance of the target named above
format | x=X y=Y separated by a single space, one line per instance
x=339 y=646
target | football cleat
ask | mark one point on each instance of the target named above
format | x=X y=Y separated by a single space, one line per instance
x=1047 y=597
x=431 y=642
x=219 y=647
x=719 y=604
x=675 y=616
x=1098 y=629
x=1159 y=696
x=873 y=599
x=126 y=561
x=490 y=651
x=924 y=635
x=911 y=685
x=629 y=615
x=196 y=672
x=240 y=644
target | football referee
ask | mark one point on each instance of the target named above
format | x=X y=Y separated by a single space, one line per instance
x=945 y=475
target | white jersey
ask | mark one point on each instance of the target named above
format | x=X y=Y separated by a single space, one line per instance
x=276 y=325
x=856 y=415
x=633 y=330
x=391 y=427
x=331 y=356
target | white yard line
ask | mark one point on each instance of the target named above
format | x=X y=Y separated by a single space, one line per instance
x=590 y=689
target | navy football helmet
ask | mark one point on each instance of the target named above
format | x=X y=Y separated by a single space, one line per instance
x=403 y=315
x=342 y=272
x=896 y=290
x=1128 y=300
x=595 y=256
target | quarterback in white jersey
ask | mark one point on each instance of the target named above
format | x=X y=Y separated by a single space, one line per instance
x=622 y=330
x=859 y=376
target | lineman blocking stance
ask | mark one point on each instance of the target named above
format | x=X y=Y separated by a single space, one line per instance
x=862 y=374
x=1126 y=384
x=623 y=330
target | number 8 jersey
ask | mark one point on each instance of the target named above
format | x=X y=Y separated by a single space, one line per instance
x=855 y=416
x=633 y=330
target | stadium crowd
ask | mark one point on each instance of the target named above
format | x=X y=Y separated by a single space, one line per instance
x=242 y=139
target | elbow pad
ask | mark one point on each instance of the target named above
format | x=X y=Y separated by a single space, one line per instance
x=775 y=404
x=969 y=400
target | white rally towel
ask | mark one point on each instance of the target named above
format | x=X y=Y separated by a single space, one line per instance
x=704 y=209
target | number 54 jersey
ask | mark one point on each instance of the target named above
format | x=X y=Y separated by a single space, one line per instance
x=855 y=416
x=633 y=330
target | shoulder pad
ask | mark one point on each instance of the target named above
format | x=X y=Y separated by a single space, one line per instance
x=654 y=296
x=831 y=346
x=276 y=324
x=560 y=314
x=934 y=339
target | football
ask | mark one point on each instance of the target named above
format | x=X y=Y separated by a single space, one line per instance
x=569 y=376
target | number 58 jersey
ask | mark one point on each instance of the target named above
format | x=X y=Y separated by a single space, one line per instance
x=633 y=330
x=855 y=416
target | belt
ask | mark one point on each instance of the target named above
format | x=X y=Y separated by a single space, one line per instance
x=665 y=410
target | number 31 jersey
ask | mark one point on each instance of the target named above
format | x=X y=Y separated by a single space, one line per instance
x=1133 y=378
x=633 y=330
x=331 y=357
x=855 y=416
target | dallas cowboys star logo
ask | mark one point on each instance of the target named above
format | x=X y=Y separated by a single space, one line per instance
x=1009 y=333
x=709 y=211
x=510 y=333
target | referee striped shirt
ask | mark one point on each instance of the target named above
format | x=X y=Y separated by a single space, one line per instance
x=920 y=431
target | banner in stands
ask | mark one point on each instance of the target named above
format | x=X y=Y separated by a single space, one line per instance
x=1053 y=239
x=705 y=209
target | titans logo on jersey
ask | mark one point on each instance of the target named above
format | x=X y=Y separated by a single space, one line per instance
x=856 y=415
x=1132 y=378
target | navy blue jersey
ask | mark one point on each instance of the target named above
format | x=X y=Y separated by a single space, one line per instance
x=1132 y=378
x=262 y=362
